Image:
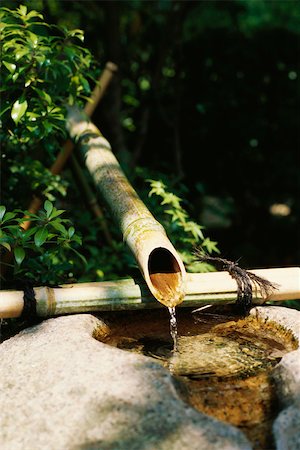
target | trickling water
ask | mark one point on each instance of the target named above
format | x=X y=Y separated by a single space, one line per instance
x=173 y=327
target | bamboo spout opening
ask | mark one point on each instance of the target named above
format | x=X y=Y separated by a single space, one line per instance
x=165 y=275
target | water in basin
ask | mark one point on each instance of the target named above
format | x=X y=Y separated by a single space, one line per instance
x=221 y=362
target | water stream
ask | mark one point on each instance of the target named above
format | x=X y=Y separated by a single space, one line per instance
x=173 y=328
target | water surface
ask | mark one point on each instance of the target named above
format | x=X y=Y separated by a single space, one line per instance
x=221 y=362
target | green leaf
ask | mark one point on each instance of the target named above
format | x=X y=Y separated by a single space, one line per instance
x=18 y=110
x=33 y=38
x=211 y=246
x=47 y=126
x=6 y=245
x=77 y=33
x=48 y=208
x=71 y=231
x=85 y=84
x=34 y=14
x=58 y=226
x=43 y=95
x=29 y=232
x=40 y=236
x=56 y=212
x=10 y=66
x=2 y=211
x=22 y=10
x=47 y=97
x=21 y=52
x=8 y=216
x=77 y=239
x=19 y=255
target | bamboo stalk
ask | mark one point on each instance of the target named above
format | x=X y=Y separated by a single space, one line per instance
x=202 y=288
x=160 y=264
x=109 y=70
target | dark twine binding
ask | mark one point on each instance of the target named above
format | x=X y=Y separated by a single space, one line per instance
x=29 y=309
x=245 y=280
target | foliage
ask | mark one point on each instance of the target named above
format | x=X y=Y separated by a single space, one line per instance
x=43 y=251
x=206 y=94
x=43 y=67
x=183 y=232
x=47 y=69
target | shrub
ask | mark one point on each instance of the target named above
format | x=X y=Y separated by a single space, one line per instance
x=43 y=68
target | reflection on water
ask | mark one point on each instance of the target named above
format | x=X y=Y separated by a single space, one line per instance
x=222 y=363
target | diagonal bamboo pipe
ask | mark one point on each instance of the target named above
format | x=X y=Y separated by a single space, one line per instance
x=214 y=288
x=159 y=263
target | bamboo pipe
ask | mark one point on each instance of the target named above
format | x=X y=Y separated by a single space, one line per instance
x=159 y=263
x=202 y=289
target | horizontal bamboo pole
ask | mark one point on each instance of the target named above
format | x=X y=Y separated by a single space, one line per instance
x=202 y=289
x=160 y=264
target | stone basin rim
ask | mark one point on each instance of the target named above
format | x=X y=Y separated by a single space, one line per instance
x=286 y=375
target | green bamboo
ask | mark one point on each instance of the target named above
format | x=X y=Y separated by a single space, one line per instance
x=160 y=264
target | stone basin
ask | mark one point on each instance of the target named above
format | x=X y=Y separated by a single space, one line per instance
x=225 y=365
x=60 y=388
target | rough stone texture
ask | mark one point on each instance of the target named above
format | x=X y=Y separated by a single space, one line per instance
x=287 y=372
x=61 y=389
x=287 y=378
x=287 y=317
x=286 y=428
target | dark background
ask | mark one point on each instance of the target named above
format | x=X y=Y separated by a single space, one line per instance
x=208 y=93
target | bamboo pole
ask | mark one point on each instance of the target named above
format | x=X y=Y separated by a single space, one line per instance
x=109 y=70
x=215 y=288
x=160 y=264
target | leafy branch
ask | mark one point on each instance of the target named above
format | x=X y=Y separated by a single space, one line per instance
x=185 y=233
x=51 y=238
